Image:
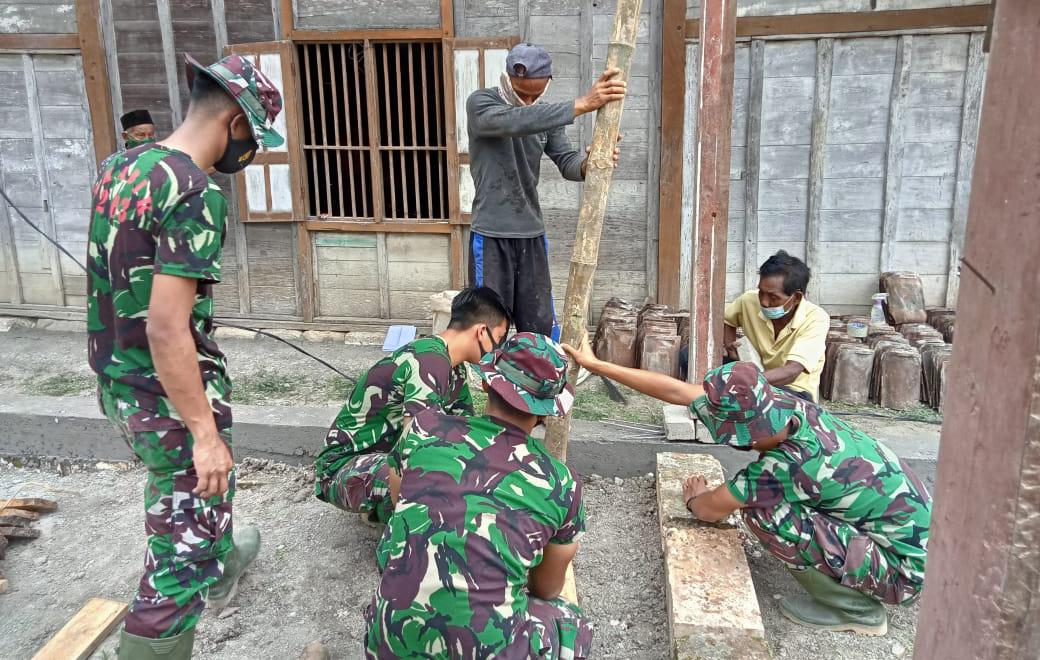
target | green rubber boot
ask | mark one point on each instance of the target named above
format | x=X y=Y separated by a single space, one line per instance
x=178 y=647
x=833 y=606
x=247 y=547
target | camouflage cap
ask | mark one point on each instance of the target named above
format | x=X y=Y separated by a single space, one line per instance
x=530 y=373
x=258 y=96
x=739 y=406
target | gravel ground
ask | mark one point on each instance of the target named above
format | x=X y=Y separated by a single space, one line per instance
x=316 y=570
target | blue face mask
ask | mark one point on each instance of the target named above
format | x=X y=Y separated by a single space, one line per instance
x=775 y=313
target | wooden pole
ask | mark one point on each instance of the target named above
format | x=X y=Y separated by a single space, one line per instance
x=598 y=175
x=711 y=218
x=983 y=571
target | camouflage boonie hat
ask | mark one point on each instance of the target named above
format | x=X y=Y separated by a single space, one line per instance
x=530 y=373
x=254 y=91
x=739 y=406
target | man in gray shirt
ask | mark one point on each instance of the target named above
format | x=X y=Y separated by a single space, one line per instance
x=509 y=130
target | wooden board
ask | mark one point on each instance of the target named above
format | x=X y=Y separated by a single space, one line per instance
x=78 y=638
x=29 y=503
x=19 y=532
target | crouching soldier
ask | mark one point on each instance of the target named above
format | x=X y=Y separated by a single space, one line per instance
x=351 y=471
x=487 y=521
x=845 y=514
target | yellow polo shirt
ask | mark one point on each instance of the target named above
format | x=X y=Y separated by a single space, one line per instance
x=804 y=340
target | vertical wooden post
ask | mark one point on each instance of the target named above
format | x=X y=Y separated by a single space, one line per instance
x=983 y=572
x=598 y=175
x=170 y=61
x=96 y=77
x=894 y=151
x=672 y=173
x=753 y=162
x=817 y=163
x=718 y=33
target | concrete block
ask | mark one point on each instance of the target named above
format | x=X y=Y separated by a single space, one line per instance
x=8 y=323
x=364 y=338
x=679 y=424
x=233 y=333
x=712 y=606
x=53 y=325
x=289 y=335
x=323 y=335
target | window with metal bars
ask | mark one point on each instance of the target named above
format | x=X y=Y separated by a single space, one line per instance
x=374 y=139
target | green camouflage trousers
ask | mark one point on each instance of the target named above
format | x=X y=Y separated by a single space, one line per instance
x=361 y=486
x=188 y=537
x=800 y=536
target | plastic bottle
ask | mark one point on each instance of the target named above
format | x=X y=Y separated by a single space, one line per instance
x=877 y=312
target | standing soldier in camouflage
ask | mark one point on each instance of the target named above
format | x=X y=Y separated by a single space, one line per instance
x=486 y=523
x=351 y=471
x=156 y=234
x=845 y=514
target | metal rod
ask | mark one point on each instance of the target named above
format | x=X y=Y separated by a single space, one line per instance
x=400 y=128
x=324 y=128
x=316 y=210
x=426 y=132
x=412 y=97
x=337 y=94
x=438 y=80
x=346 y=125
x=389 y=132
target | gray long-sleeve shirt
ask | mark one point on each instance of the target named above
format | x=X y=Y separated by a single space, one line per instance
x=506 y=144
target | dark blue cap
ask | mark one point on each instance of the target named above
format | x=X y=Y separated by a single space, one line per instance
x=529 y=61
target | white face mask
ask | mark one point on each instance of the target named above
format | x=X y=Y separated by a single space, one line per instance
x=508 y=94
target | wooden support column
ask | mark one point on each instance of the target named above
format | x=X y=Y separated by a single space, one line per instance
x=817 y=162
x=973 y=80
x=96 y=69
x=894 y=151
x=983 y=574
x=673 y=99
x=169 y=60
x=753 y=161
x=718 y=27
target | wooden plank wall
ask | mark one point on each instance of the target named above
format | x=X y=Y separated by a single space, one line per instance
x=576 y=32
x=863 y=164
x=788 y=7
x=38 y=17
x=367 y=14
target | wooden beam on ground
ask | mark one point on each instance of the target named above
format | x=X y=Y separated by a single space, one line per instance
x=980 y=600
x=599 y=173
x=673 y=85
x=714 y=124
x=973 y=16
x=19 y=532
x=95 y=77
x=38 y=504
x=78 y=638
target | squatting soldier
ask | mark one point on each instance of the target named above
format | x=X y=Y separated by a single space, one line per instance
x=845 y=514
x=487 y=521
x=154 y=253
x=351 y=471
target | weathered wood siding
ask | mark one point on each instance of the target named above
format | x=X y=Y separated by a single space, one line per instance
x=888 y=126
x=38 y=17
x=787 y=7
x=367 y=14
x=46 y=166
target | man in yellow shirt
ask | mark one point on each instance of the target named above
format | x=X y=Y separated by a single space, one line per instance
x=788 y=331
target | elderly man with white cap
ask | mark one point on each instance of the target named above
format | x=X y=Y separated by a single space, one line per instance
x=510 y=128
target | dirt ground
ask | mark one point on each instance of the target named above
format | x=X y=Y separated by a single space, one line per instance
x=316 y=570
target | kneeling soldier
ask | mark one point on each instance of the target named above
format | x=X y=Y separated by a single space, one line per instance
x=485 y=525
x=351 y=471
x=845 y=514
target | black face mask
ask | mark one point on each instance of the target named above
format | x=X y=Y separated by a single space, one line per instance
x=237 y=155
x=494 y=345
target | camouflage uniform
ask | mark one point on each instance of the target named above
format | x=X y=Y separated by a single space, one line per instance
x=351 y=470
x=830 y=497
x=479 y=502
x=154 y=211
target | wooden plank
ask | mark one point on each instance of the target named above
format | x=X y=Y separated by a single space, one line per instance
x=220 y=34
x=894 y=150
x=169 y=50
x=95 y=67
x=383 y=268
x=375 y=162
x=285 y=18
x=973 y=83
x=78 y=638
x=817 y=159
x=401 y=15
x=7 y=246
x=19 y=532
x=653 y=153
x=853 y=22
x=993 y=383
x=753 y=163
x=26 y=515
x=708 y=281
x=689 y=170
x=378 y=227
x=450 y=172
x=36 y=42
x=111 y=50
x=673 y=170
x=457 y=257
x=43 y=174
